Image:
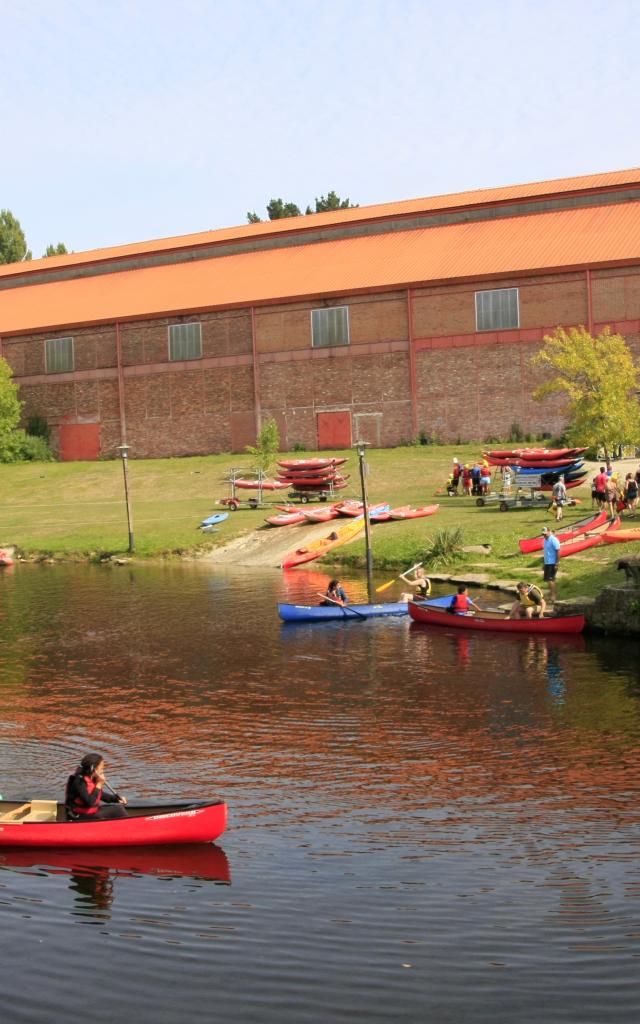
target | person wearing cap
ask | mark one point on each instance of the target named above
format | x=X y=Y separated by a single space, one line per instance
x=530 y=602
x=551 y=552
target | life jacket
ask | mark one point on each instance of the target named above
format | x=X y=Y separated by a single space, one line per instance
x=533 y=595
x=460 y=603
x=73 y=802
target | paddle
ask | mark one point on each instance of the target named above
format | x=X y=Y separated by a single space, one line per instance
x=345 y=607
x=385 y=586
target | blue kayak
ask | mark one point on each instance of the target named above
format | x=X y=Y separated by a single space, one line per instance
x=217 y=517
x=350 y=612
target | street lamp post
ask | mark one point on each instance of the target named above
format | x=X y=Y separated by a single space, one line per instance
x=124 y=452
x=361 y=447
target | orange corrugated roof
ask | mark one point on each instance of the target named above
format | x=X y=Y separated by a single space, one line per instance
x=404 y=208
x=559 y=239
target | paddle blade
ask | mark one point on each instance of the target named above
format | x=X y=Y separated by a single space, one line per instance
x=385 y=586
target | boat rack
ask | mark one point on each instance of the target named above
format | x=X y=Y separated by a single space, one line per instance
x=233 y=502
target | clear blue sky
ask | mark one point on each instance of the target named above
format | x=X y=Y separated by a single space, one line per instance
x=124 y=120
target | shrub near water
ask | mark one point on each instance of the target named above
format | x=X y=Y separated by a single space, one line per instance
x=445 y=549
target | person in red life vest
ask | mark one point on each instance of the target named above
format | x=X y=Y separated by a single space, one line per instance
x=85 y=796
x=467 y=480
x=455 y=475
x=462 y=604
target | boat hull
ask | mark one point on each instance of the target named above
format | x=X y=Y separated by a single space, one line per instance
x=571 y=533
x=313 y=550
x=432 y=616
x=622 y=536
x=350 y=612
x=148 y=825
x=413 y=513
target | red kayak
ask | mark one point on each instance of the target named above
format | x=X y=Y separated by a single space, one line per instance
x=494 y=621
x=531 y=453
x=286 y=518
x=622 y=536
x=320 y=515
x=310 y=464
x=588 y=540
x=571 y=533
x=406 y=512
x=43 y=823
x=266 y=485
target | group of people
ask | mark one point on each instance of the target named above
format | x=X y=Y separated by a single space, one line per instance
x=475 y=479
x=608 y=491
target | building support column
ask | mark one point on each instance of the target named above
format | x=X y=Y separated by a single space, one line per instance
x=413 y=380
x=121 y=402
x=589 y=303
x=257 y=412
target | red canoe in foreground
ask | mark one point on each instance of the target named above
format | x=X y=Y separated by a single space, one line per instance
x=43 y=823
x=570 y=533
x=494 y=621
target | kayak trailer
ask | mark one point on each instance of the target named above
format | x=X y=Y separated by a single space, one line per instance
x=521 y=499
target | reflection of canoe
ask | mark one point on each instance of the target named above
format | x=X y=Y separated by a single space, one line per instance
x=349 y=612
x=200 y=861
x=24 y=823
x=622 y=536
x=339 y=535
x=570 y=533
x=494 y=621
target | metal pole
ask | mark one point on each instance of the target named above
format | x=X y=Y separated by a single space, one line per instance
x=367 y=525
x=123 y=448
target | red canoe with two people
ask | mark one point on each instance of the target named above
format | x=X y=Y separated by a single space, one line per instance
x=494 y=621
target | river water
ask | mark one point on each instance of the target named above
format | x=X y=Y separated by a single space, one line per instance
x=423 y=827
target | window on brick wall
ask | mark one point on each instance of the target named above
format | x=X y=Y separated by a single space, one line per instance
x=185 y=341
x=58 y=355
x=497 y=310
x=329 y=327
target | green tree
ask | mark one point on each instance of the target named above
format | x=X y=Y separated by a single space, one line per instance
x=267 y=445
x=10 y=404
x=331 y=201
x=55 y=250
x=600 y=381
x=13 y=245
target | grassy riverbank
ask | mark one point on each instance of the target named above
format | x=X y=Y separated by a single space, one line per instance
x=77 y=510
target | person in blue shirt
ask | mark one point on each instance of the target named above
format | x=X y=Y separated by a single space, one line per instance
x=551 y=550
x=335 y=594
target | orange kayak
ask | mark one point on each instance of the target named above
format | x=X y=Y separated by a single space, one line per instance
x=339 y=535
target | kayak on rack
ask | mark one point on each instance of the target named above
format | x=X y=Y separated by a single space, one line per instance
x=570 y=533
x=495 y=621
x=349 y=612
x=43 y=823
x=310 y=464
x=265 y=485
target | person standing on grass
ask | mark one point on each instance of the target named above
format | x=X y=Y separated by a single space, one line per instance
x=631 y=494
x=551 y=550
x=559 y=492
x=600 y=486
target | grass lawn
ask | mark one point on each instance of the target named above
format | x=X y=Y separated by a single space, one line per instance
x=77 y=510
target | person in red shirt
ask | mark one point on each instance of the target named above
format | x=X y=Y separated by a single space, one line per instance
x=461 y=603
x=600 y=486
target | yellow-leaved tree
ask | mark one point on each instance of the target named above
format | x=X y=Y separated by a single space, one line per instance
x=599 y=378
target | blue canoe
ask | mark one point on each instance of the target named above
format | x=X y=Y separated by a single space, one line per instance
x=349 y=612
x=217 y=517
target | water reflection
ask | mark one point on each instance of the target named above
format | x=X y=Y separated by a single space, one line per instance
x=93 y=874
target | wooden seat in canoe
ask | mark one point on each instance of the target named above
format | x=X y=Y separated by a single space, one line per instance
x=16 y=816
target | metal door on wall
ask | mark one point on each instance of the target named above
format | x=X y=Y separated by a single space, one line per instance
x=334 y=429
x=79 y=442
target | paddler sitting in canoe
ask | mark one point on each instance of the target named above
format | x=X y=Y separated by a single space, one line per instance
x=85 y=793
x=335 y=594
x=462 y=604
x=421 y=585
x=530 y=602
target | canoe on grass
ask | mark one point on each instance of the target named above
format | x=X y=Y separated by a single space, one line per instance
x=570 y=533
x=43 y=823
x=217 y=517
x=589 y=540
x=406 y=512
x=622 y=536
x=285 y=518
x=314 y=549
x=348 y=612
x=494 y=621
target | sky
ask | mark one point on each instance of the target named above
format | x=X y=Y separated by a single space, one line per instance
x=128 y=120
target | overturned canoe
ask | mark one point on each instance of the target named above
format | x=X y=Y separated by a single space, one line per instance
x=43 y=823
x=495 y=621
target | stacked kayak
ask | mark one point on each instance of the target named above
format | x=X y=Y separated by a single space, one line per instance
x=309 y=475
x=550 y=463
x=572 y=532
x=349 y=612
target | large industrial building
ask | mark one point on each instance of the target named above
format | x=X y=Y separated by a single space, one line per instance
x=371 y=323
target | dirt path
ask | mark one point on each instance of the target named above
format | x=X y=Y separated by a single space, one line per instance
x=267 y=547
